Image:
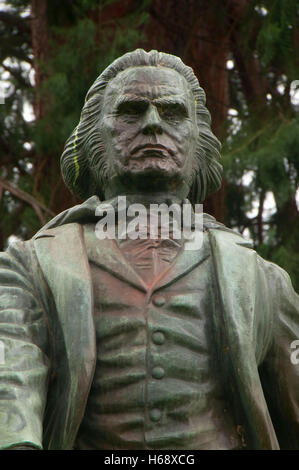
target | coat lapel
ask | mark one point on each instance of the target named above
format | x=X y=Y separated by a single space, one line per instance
x=236 y=273
x=107 y=254
x=185 y=261
x=62 y=257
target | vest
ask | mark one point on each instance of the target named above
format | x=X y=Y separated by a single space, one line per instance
x=157 y=383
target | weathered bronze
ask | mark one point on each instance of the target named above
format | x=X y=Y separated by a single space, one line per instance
x=140 y=343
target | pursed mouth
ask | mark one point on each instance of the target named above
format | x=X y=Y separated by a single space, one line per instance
x=152 y=149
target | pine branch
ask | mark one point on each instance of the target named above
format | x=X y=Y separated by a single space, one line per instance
x=16 y=72
x=37 y=206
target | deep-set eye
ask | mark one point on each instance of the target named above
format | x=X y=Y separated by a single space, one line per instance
x=132 y=108
x=173 y=111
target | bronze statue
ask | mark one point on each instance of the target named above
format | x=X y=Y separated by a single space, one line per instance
x=139 y=343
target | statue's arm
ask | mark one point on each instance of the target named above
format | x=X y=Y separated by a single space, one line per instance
x=24 y=363
x=280 y=369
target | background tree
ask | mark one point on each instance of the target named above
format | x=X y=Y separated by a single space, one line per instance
x=243 y=53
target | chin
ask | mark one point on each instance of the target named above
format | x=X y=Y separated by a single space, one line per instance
x=151 y=173
x=163 y=166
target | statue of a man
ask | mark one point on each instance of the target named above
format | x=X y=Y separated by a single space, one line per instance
x=139 y=343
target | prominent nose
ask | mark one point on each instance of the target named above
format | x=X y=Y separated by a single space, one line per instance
x=152 y=122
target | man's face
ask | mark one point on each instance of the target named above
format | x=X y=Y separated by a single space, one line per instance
x=148 y=123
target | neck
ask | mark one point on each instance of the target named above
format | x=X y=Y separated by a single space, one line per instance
x=149 y=192
x=154 y=198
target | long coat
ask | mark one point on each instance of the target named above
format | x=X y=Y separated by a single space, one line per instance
x=48 y=337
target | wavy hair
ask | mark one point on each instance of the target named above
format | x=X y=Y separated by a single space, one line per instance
x=84 y=164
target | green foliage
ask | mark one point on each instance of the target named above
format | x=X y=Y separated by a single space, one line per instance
x=268 y=157
x=275 y=37
x=261 y=157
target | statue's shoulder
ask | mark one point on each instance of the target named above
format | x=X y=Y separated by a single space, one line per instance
x=224 y=236
x=278 y=277
x=233 y=249
x=70 y=220
x=60 y=231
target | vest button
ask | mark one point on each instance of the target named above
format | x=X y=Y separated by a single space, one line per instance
x=155 y=414
x=158 y=337
x=158 y=372
x=159 y=301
